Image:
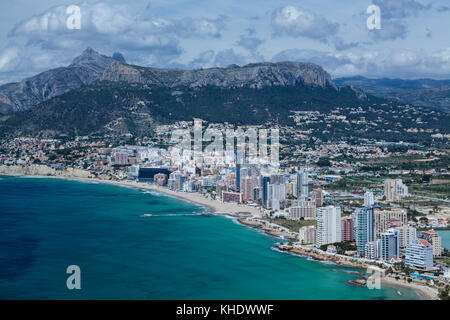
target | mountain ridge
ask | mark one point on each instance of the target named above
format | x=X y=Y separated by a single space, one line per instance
x=91 y=66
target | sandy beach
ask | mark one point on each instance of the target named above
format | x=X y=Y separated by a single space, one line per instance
x=425 y=292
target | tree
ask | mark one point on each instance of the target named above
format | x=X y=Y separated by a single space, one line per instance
x=324 y=162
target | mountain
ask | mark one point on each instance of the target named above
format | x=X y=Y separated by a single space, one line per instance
x=117 y=107
x=91 y=66
x=424 y=92
x=101 y=95
x=85 y=69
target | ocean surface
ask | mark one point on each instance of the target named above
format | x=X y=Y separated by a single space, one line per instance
x=48 y=224
x=445 y=235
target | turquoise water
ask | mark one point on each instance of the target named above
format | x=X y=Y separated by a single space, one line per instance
x=445 y=235
x=49 y=224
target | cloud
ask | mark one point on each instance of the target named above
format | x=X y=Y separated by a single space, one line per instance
x=390 y=30
x=398 y=63
x=400 y=9
x=6 y=59
x=249 y=43
x=393 y=16
x=340 y=44
x=443 y=9
x=144 y=40
x=227 y=57
x=204 y=59
x=297 y=22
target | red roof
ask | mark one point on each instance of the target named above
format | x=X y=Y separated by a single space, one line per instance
x=424 y=242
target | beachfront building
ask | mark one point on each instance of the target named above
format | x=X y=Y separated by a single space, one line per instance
x=347 y=229
x=365 y=229
x=433 y=237
x=307 y=235
x=372 y=250
x=302 y=183
x=394 y=189
x=265 y=181
x=228 y=196
x=369 y=199
x=390 y=245
x=302 y=209
x=407 y=235
x=248 y=184
x=328 y=225
x=383 y=218
x=419 y=254
x=160 y=179
x=276 y=194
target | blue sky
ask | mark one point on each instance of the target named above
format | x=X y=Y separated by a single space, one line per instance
x=414 y=40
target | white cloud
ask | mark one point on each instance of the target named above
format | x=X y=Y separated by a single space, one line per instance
x=6 y=59
x=377 y=63
x=297 y=22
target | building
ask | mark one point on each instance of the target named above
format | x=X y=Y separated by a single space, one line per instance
x=328 y=225
x=160 y=179
x=291 y=188
x=369 y=199
x=307 y=235
x=384 y=217
x=347 y=229
x=394 y=189
x=365 y=229
x=228 y=196
x=248 y=184
x=317 y=196
x=147 y=174
x=433 y=237
x=372 y=250
x=265 y=181
x=302 y=209
x=390 y=245
x=302 y=183
x=176 y=180
x=419 y=254
x=407 y=235
x=276 y=191
x=238 y=175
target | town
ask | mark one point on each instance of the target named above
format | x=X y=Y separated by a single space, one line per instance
x=352 y=203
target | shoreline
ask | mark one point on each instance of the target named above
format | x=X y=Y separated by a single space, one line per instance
x=248 y=216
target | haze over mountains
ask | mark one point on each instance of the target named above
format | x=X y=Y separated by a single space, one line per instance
x=423 y=92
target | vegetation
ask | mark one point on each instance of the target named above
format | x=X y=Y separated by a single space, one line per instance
x=341 y=247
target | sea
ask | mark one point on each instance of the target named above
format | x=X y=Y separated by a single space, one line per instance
x=47 y=225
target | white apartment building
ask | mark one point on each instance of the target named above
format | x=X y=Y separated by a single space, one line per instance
x=307 y=235
x=328 y=225
x=434 y=239
x=407 y=235
x=419 y=254
x=394 y=189
x=372 y=250
x=369 y=199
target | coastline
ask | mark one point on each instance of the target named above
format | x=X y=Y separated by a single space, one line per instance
x=424 y=292
x=248 y=216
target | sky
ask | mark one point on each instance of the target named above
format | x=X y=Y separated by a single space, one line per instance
x=412 y=42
